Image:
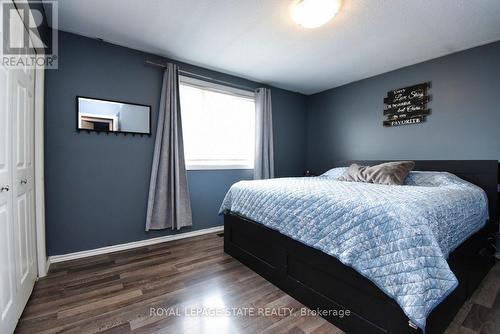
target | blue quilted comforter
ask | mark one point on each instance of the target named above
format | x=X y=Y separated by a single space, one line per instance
x=399 y=237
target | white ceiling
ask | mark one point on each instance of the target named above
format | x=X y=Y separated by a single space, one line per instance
x=257 y=40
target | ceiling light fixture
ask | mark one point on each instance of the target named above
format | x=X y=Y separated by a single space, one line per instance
x=314 y=13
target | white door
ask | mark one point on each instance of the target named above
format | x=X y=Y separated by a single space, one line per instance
x=17 y=224
x=7 y=244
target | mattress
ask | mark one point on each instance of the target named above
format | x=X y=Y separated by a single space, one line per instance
x=399 y=237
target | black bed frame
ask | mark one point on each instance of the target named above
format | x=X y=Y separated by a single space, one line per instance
x=322 y=282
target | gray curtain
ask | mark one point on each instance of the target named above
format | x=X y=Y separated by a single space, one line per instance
x=264 y=153
x=168 y=203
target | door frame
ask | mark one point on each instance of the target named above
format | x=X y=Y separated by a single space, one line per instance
x=41 y=253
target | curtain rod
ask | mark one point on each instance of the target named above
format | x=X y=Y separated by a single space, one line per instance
x=199 y=76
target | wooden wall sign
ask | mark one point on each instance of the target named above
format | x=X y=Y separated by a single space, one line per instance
x=407 y=105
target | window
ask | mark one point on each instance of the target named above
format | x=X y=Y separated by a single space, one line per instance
x=218 y=125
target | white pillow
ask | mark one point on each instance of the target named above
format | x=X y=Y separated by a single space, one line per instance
x=334 y=172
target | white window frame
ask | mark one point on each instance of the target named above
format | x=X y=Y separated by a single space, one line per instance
x=207 y=85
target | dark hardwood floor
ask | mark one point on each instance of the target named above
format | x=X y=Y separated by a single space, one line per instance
x=160 y=288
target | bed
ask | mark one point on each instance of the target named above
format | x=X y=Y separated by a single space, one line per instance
x=324 y=274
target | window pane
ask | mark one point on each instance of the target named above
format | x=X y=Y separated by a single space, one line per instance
x=218 y=128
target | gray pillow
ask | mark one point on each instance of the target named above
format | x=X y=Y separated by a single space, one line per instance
x=389 y=173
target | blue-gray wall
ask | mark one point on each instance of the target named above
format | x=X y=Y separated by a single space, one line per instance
x=97 y=185
x=346 y=122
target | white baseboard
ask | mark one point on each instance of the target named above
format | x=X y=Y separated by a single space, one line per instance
x=134 y=244
x=47 y=267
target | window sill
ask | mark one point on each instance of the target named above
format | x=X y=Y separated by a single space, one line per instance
x=218 y=167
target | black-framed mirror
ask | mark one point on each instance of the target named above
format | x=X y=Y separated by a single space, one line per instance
x=101 y=115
